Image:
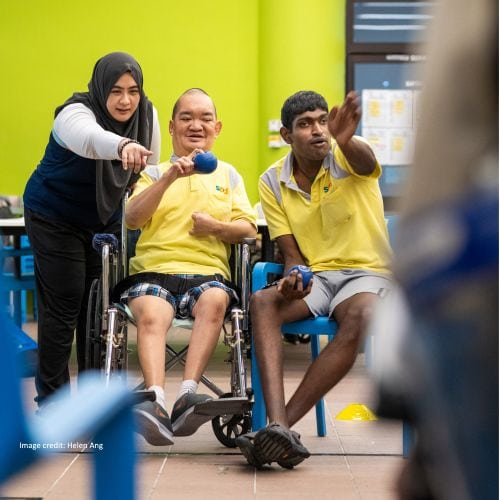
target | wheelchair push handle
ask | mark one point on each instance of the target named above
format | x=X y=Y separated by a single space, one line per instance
x=248 y=241
x=101 y=239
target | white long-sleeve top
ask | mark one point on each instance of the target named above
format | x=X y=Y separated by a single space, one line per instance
x=76 y=128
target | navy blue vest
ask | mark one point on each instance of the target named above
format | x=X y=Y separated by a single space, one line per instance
x=63 y=188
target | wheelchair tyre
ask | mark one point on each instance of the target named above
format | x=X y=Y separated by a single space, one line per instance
x=93 y=335
x=228 y=427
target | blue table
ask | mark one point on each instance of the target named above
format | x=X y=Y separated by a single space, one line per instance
x=15 y=279
x=16 y=282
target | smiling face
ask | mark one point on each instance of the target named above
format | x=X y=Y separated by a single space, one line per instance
x=309 y=136
x=123 y=98
x=194 y=124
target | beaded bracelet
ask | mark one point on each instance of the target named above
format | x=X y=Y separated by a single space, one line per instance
x=123 y=144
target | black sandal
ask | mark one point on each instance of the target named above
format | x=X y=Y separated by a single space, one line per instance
x=275 y=443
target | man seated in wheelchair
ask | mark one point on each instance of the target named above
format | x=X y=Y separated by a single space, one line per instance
x=188 y=219
x=323 y=206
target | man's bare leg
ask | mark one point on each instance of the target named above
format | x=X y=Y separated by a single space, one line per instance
x=336 y=359
x=209 y=312
x=153 y=317
x=269 y=311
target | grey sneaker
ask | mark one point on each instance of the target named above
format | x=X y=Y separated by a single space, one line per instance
x=185 y=420
x=154 y=423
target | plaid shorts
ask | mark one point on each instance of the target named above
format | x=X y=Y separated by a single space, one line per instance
x=182 y=304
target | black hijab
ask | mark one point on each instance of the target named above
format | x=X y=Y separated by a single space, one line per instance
x=111 y=179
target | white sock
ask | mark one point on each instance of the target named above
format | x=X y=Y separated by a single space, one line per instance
x=187 y=386
x=160 y=395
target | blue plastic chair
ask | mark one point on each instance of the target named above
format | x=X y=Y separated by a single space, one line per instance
x=312 y=327
x=101 y=413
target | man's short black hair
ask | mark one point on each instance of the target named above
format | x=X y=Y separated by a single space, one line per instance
x=300 y=102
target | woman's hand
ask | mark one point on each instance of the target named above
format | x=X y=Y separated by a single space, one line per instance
x=134 y=156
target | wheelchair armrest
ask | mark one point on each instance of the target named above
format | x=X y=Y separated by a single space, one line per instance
x=261 y=271
x=248 y=241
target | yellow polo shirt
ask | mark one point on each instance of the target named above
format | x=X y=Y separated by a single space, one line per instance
x=165 y=245
x=339 y=225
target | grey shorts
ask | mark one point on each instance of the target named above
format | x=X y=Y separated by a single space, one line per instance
x=330 y=288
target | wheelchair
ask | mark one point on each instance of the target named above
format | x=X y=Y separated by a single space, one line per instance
x=107 y=328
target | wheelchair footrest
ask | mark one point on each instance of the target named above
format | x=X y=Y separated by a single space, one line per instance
x=224 y=406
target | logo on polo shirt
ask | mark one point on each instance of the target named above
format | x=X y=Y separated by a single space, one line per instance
x=327 y=188
x=222 y=189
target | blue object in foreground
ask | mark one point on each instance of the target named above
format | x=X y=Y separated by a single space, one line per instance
x=97 y=413
x=25 y=349
x=306 y=272
x=205 y=163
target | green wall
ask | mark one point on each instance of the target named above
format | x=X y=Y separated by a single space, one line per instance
x=249 y=55
x=301 y=47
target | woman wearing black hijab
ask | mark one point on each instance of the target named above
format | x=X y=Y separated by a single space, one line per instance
x=100 y=141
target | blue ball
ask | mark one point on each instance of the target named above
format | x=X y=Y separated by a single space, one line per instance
x=306 y=272
x=205 y=163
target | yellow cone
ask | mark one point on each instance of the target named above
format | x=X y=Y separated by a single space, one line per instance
x=356 y=412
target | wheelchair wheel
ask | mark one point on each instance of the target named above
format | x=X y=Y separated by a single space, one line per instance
x=93 y=334
x=228 y=427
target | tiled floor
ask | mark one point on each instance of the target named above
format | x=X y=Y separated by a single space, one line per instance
x=356 y=460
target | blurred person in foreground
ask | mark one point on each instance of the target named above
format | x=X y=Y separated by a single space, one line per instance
x=442 y=371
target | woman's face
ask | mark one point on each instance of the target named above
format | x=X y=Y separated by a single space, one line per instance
x=123 y=98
